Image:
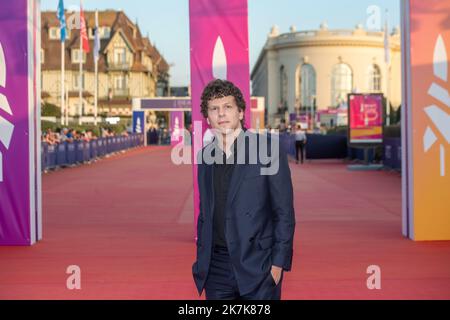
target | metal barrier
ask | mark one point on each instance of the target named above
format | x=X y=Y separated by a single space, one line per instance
x=318 y=146
x=335 y=147
x=392 y=155
x=66 y=154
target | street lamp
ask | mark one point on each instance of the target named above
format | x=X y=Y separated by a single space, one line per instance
x=168 y=87
x=312 y=112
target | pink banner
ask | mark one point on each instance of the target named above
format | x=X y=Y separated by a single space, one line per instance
x=366 y=118
x=176 y=127
x=219 y=49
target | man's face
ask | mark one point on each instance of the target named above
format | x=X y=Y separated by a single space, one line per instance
x=224 y=114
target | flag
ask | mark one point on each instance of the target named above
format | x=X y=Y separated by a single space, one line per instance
x=62 y=19
x=96 y=38
x=387 y=48
x=84 y=37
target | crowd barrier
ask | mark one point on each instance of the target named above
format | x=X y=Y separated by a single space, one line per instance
x=318 y=146
x=392 y=155
x=77 y=152
x=335 y=147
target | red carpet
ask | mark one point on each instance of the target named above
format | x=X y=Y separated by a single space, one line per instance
x=127 y=221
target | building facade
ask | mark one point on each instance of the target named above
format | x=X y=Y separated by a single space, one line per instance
x=129 y=65
x=302 y=69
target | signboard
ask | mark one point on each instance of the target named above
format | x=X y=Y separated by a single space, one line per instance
x=166 y=104
x=365 y=116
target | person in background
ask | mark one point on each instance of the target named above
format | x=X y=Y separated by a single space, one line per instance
x=300 y=142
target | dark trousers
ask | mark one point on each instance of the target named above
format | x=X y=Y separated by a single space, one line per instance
x=221 y=282
x=299 y=146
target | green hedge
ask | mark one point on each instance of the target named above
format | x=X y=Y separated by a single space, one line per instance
x=50 y=110
x=341 y=131
x=118 y=129
x=393 y=131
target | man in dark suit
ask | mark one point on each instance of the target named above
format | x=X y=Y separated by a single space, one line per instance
x=246 y=223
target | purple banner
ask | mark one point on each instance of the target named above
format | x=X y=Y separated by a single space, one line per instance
x=168 y=104
x=19 y=177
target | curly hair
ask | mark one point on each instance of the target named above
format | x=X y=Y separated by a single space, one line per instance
x=218 y=89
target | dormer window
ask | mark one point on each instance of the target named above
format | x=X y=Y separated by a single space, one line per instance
x=54 y=33
x=105 y=32
x=76 y=56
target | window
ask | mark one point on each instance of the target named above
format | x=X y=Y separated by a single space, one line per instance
x=374 y=78
x=341 y=83
x=119 y=56
x=119 y=82
x=283 y=87
x=307 y=85
x=42 y=56
x=76 y=56
x=77 y=81
x=105 y=32
x=54 y=33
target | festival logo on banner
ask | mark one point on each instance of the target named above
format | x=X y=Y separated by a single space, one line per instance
x=438 y=117
x=137 y=128
x=219 y=65
x=427 y=123
x=6 y=127
x=138 y=121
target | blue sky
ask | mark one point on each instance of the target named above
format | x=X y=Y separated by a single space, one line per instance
x=167 y=21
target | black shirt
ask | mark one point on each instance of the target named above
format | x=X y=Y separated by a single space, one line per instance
x=222 y=178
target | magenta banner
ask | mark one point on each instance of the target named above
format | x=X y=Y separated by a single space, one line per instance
x=219 y=50
x=20 y=206
x=176 y=127
x=365 y=118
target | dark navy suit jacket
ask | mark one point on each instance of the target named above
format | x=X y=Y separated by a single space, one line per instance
x=260 y=218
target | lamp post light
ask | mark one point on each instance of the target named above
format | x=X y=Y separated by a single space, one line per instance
x=312 y=113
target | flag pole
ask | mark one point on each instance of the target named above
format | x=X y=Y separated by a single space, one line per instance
x=96 y=93
x=388 y=106
x=387 y=59
x=67 y=109
x=96 y=72
x=63 y=102
x=80 y=76
x=62 y=36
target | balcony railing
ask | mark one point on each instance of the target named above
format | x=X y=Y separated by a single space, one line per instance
x=118 y=66
x=122 y=93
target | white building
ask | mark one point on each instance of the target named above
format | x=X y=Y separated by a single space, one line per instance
x=302 y=68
